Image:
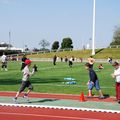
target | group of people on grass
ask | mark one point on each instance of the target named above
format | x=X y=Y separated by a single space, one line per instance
x=93 y=78
x=70 y=60
x=94 y=82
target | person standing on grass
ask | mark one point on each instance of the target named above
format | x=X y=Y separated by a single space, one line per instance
x=93 y=82
x=25 y=81
x=116 y=75
x=54 y=59
x=34 y=68
x=71 y=61
x=66 y=59
x=4 y=62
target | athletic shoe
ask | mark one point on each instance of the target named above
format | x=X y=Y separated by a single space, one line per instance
x=26 y=97
x=15 y=101
x=118 y=101
x=102 y=97
x=89 y=96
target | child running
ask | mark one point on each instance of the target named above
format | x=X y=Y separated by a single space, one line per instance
x=25 y=81
x=93 y=82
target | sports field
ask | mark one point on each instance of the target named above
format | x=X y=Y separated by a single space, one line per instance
x=50 y=79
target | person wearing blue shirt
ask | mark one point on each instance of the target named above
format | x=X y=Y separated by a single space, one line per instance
x=93 y=81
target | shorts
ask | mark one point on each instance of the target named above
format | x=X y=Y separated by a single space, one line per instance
x=4 y=64
x=24 y=85
x=95 y=84
x=118 y=91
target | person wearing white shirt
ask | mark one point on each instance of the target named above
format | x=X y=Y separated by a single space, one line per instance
x=25 y=81
x=116 y=75
x=4 y=62
x=71 y=61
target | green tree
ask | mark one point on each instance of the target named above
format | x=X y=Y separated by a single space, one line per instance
x=67 y=43
x=55 y=45
x=44 y=43
x=116 y=37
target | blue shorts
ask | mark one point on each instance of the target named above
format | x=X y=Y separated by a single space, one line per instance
x=96 y=85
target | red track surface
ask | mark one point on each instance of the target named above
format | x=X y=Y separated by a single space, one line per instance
x=27 y=113
x=24 y=113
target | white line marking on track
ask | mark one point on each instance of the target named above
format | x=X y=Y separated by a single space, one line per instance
x=49 y=116
x=60 y=107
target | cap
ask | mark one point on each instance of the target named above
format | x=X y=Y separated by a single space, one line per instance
x=27 y=62
x=115 y=64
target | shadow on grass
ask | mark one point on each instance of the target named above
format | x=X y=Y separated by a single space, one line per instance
x=46 y=80
x=9 y=82
x=33 y=81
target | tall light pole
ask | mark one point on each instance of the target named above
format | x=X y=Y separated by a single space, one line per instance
x=9 y=39
x=93 y=31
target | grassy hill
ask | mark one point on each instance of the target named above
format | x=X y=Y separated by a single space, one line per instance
x=109 y=52
x=100 y=54
x=76 y=53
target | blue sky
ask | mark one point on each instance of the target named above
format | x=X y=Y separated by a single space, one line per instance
x=33 y=20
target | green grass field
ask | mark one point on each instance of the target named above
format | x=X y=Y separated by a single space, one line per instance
x=50 y=79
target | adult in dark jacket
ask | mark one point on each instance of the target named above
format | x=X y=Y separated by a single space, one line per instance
x=93 y=81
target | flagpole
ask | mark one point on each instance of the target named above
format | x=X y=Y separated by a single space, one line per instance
x=93 y=31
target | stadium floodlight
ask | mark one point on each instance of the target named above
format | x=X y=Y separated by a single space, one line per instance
x=93 y=31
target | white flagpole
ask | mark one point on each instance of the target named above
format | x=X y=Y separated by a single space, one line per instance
x=93 y=32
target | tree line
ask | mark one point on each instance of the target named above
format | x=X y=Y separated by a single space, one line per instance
x=66 y=44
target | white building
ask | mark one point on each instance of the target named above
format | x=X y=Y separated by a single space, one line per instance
x=5 y=46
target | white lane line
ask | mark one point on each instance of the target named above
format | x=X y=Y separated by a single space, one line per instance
x=49 y=116
x=61 y=107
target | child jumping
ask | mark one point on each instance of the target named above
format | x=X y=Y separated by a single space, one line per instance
x=93 y=82
x=25 y=81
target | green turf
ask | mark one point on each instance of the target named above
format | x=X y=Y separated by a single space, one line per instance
x=50 y=79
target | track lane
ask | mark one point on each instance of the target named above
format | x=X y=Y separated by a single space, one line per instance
x=19 y=113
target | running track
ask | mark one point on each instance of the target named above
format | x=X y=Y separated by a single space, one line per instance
x=27 y=113
x=23 y=113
